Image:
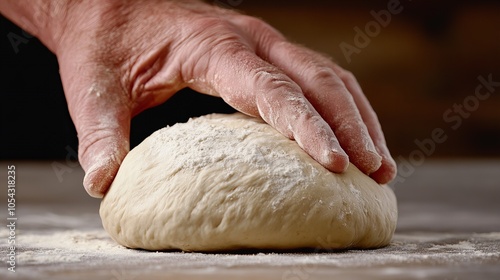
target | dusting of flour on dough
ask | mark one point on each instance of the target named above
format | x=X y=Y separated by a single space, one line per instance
x=223 y=182
x=207 y=147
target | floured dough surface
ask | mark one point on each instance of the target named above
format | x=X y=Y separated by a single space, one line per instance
x=224 y=182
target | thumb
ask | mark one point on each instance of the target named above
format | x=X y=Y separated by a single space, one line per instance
x=103 y=144
x=102 y=121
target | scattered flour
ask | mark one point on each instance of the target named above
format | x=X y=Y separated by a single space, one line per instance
x=94 y=247
x=460 y=246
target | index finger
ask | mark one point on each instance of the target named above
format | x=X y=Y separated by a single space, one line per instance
x=321 y=86
x=255 y=87
x=329 y=95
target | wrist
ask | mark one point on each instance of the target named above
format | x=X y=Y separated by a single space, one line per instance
x=53 y=22
x=43 y=19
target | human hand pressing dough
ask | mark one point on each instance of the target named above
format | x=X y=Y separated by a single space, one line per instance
x=118 y=58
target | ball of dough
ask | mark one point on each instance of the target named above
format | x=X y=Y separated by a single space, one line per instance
x=224 y=182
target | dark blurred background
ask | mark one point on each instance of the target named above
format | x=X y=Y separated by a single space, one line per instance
x=414 y=68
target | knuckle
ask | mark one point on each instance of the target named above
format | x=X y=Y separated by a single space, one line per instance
x=346 y=75
x=258 y=32
x=253 y=23
x=208 y=26
x=248 y=20
x=212 y=37
x=97 y=145
x=272 y=81
x=202 y=24
x=89 y=139
x=323 y=75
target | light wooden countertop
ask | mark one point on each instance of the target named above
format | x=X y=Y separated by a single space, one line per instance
x=449 y=228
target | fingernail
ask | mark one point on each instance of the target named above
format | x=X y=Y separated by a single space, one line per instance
x=91 y=184
x=98 y=178
x=336 y=160
x=369 y=163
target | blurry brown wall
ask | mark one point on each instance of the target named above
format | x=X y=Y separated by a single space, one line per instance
x=426 y=59
x=415 y=69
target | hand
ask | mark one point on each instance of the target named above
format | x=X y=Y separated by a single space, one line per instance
x=118 y=58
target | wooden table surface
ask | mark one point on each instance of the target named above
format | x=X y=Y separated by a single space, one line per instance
x=448 y=228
